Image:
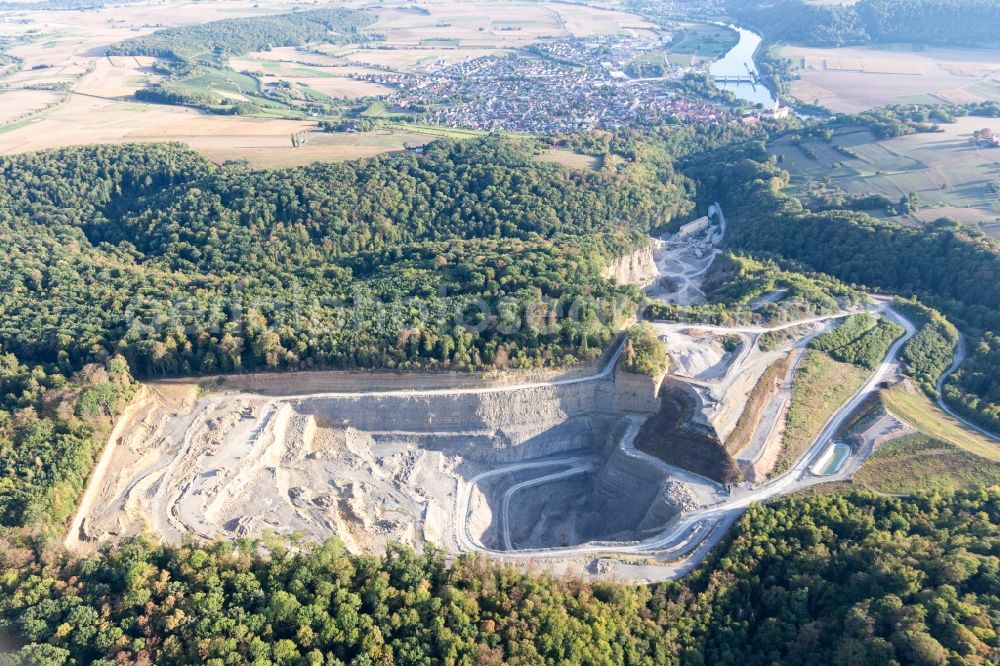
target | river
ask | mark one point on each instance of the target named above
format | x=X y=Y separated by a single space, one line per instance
x=739 y=62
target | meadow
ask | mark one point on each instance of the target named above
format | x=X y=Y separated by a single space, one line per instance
x=918 y=463
x=697 y=42
x=318 y=147
x=914 y=408
x=951 y=176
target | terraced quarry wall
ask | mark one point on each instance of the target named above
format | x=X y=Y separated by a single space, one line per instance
x=376 y=468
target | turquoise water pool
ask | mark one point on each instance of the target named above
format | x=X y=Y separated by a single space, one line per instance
x=831 y=460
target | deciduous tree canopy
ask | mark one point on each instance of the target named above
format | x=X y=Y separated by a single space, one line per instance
x=829 y=579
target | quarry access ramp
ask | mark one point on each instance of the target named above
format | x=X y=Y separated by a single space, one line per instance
x=692 y=535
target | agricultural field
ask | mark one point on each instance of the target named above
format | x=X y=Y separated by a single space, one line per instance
x=698 y=42
x=318 y=147
x=18 y=104
x=570 y=159
x=69 y=49
x=853 y=79
x=318 y=75
x=415 y=59
x=458 y=24
x=117 y=76
x=108 y=121
x=951 y=176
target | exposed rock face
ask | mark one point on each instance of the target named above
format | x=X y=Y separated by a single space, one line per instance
x=637 y=393
x=639 y=267
x=379 y=468
x=727 y=405
x=494 y=427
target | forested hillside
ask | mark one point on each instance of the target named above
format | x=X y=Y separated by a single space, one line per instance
x=52 y=429
x=471 y=256
x=237 y=36
x=942 y=22
x=946 y=266
x=829 y=579
x=183 y=266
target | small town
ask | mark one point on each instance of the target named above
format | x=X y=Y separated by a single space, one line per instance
x=563 y=86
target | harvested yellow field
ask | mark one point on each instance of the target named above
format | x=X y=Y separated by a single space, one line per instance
x=415 y=59
x=92 y=120
x=570 y=159
x=35 y=77
x=496 y=24
x=319 y=148
x=957 y=96
x=584 y=21
x=854 y=79
x=206 y=127
x=974 y=69
x=17 y=104
x=873 y=66
x=118 y=76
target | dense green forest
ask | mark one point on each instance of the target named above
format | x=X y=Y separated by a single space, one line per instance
x=643 y=353
x=929 y=353
x=940 y=22
x=229 y=37
x=827 y=579
x=895 y=120
x=52 y=428
x=183 y=266
x=862 y=340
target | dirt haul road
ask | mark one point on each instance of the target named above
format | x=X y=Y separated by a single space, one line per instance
x=695 y=532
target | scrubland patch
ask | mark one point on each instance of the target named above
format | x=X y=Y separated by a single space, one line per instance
x=820 y=387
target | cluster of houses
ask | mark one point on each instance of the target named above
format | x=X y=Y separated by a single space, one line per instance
x=557 y=87
x=612 y=52
x=526 y=95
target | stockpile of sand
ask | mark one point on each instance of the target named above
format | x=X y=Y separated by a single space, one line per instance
x=693 y=354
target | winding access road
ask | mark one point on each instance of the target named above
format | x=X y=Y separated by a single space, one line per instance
x=691 y=537
x=959 y=359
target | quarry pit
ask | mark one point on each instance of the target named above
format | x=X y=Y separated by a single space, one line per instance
x=541 y=465
x=585 y=471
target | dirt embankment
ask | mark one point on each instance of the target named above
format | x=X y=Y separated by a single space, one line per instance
x=765 y=388
x=132 y=426
x=670 y=436
x=359 y=381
